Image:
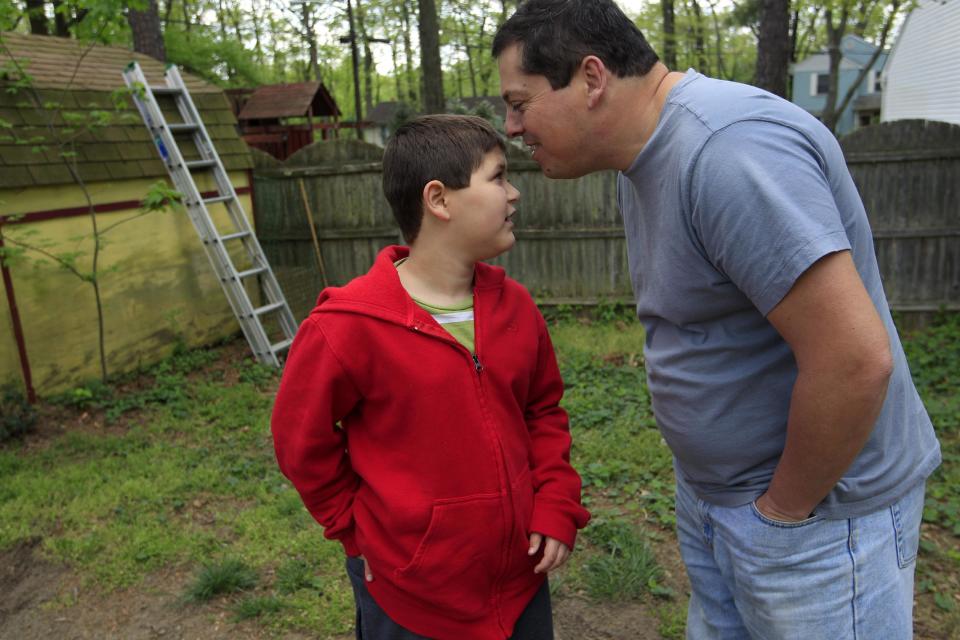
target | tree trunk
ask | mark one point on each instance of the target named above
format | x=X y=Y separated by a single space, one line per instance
x=310 y=37
x=367 y=57
x=430 y=57
x=669 y=34
x=698 y=44
x=468 y=49
x=773 y=47
x=885 y=31
x=721 y=70
x=830 y=116
x=145 y=26
x=257 y=34
x=412 y=95
x=38 y=18
x=61 y=25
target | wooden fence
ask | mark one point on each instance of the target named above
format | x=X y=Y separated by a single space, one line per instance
x=908 y=174
x=570 y=246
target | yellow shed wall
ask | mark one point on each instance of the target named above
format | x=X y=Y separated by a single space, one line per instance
x=156 y=285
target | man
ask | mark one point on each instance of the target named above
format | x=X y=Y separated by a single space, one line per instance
x=778 y=379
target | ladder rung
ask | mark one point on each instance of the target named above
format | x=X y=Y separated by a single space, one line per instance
x=234 y=236
x=217 y=199
x=177 y=127
x=267 y=308
x=280 y=346
x=199 y=164
x=250 y=272
x=166 y=91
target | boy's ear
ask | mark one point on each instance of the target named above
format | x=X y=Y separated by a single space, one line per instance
x=435 y=200
x=595 y=75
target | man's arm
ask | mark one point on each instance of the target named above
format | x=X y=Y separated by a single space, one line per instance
x=843 y=359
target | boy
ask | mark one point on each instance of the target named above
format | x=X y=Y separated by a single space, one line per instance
x=448 y=479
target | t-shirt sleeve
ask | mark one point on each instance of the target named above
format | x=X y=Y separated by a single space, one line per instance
x=762 y=208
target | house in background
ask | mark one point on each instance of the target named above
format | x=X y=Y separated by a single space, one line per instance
x=811 y=79
x=920 y=79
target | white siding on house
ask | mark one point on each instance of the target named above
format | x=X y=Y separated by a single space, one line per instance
x=922 y=76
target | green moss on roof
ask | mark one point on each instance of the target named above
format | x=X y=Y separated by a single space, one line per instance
x=86 y=118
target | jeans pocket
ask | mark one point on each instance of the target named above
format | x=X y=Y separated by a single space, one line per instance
x=780 y=523
x=906 y=514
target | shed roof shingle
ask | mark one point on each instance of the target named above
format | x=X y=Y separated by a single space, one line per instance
x=74 y=110
x=292 y=100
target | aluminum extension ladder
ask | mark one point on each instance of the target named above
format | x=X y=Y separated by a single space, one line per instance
x=216 y=244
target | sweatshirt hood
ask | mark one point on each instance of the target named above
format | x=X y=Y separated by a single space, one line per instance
x=380 y=294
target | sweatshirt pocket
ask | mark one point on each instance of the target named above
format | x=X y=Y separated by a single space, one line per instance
x=457 y=560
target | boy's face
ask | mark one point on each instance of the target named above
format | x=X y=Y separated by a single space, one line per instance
x=482 y=212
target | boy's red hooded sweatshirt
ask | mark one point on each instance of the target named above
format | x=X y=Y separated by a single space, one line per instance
x=443 y=463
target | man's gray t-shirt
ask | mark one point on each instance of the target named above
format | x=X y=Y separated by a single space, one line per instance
x=735 y=195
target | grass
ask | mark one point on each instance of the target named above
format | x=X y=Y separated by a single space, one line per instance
x=218 y=578
x=176 y=470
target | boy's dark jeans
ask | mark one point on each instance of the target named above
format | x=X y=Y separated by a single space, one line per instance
x=535 y=623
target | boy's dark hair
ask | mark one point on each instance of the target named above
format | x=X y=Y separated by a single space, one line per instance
x=556 y=35
x=448 y=148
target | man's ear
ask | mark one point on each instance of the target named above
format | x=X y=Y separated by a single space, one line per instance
x=595 y=75
x=435 y=199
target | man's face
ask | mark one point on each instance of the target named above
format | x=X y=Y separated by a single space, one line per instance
x=549 y=121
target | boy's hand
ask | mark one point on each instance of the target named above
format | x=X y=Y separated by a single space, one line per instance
x=367 y=574
x=555 y=553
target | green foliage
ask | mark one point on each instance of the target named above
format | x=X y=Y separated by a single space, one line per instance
x=257 y=607
x=223 y=62
x=17 y=416
x=934 y=356
x=934 y=353
x=296 y=574
x=165 y=384
x=625 y=567
x=257 y=374
x=160 y=196
x=217 y=578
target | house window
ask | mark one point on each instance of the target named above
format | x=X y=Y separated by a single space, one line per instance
x=819 y=84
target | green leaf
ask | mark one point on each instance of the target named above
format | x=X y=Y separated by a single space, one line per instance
x=160 y=196
x=944 y=601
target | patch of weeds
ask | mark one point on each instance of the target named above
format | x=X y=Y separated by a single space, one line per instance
x=624 y=566
x=17 y=416
x=256 y=607
x=934 y=353
x=673 y=621
x=296 y=574
x=257 y=374
x=93 y=394
x=186 y=360
x=226 y=576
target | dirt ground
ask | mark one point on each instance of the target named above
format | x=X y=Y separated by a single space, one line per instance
x=43 y=601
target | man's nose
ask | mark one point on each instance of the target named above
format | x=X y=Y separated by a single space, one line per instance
x=512 y=125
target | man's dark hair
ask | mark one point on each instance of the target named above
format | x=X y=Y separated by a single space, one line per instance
x=448 y=148
x=556 y=35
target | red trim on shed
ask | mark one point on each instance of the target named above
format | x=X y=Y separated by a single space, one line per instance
x=106 y=207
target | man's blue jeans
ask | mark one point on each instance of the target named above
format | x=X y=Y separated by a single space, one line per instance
x=753 y=577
